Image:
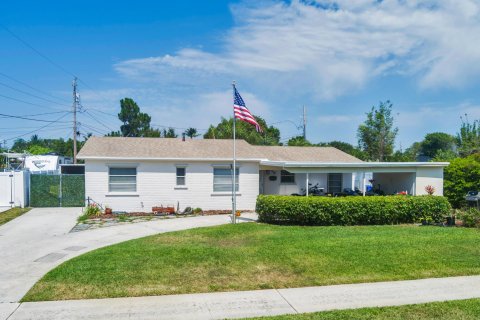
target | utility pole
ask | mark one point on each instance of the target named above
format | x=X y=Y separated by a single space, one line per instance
x=75 y=101
x=304 y=123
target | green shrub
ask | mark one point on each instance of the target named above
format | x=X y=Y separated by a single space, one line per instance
x=197 y=210
x=461 y=176
x=470 y=217
x=325 y=211
x=92 y=210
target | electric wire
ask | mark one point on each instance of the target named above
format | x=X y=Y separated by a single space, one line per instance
x=33 y=88
x=30 y=94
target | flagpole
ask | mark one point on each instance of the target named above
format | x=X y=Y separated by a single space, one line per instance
x=234 y=171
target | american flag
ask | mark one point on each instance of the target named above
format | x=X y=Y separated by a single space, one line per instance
x=241 y=112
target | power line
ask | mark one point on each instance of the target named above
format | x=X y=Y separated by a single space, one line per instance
x=96 y=120
x=38 y=129
x=32 y=88
x=50 y=60
x=26 y=102
x=32 y=119
x=92 y=128
x=105 y=113
x=30 y=94
x=36 y=51
x=42 y=114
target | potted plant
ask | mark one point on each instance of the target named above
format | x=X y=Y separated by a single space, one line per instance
x=237 y=213
x=108 y=210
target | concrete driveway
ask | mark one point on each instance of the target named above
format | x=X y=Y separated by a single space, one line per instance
x=39 y=240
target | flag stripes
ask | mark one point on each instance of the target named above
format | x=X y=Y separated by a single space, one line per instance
x=241 y=111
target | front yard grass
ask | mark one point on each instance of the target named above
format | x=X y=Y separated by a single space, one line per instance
x=251 y=256
x=11 y=214
x=450 y=310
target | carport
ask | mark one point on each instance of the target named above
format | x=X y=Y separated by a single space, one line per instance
x=391 y=177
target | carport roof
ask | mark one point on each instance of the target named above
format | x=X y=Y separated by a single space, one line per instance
x=353 y=166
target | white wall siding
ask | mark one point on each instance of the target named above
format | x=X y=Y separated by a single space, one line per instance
x=429 y=176
x=156 y=185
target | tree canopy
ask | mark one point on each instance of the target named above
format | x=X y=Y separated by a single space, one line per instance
x=135 y=123
x=347 y=148
x=36 y=145
x=468 y=139
x=191 y=133
x=299 y=141
x=376 y=136
x=246 y=131
x=435 y=142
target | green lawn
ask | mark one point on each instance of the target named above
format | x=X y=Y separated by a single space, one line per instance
x=258 y=256
x=451 y=310
x=12 y=214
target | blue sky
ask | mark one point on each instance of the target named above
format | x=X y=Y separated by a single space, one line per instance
x=177 y=60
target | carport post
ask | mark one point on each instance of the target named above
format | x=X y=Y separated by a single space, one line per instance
x=364 y=183
x=306 y=185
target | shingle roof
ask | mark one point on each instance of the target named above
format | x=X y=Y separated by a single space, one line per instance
x=221 y=149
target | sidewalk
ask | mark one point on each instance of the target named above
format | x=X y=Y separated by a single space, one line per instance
x=223 y=305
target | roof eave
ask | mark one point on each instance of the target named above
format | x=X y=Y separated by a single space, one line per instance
x=165 y=159
x=292 y=164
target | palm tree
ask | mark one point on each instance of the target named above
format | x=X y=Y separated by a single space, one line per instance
x=191 y=132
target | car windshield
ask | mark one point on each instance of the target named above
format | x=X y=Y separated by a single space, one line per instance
x=472 y=193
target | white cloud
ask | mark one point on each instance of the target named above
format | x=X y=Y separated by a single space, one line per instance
x=304 y=48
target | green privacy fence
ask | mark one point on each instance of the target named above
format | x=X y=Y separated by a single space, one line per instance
x=60 y=190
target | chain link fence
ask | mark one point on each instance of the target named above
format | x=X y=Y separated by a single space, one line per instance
x=59 y=190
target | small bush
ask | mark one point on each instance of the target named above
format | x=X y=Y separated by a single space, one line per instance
x=197 y=210
x=470 y=217
x=325 y=211
x=92 y=210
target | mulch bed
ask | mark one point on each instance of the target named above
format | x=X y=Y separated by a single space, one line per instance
x=151 y=214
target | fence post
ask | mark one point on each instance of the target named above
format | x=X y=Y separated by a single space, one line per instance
x=60 y=191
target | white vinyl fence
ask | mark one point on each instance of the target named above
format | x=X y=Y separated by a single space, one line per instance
x=14 y=189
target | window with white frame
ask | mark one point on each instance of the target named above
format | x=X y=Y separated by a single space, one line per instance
x=287 y=177
x=181 y=174
x=334 y=182
x=222 y=179
x=122 y=179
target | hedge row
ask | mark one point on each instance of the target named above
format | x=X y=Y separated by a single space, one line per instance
x=326 y=211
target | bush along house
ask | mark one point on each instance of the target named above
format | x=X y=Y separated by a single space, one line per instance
x=136 y=174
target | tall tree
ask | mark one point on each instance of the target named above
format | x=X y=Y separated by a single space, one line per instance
x=191 y=133
x=468 y=139
x=224 y=130
x=436 y=142
x=135 y=123
x=170 y=133
x=376 y=136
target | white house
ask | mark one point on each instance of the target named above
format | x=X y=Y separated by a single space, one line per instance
x=135 y=174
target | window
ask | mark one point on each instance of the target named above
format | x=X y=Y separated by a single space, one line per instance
x=334 y=182
x=222 y=180
x=287 y=177
x=122 y=179
x=181 y=172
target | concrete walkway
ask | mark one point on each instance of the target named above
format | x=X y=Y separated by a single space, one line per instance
x=224 y=305
x=39 y=240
